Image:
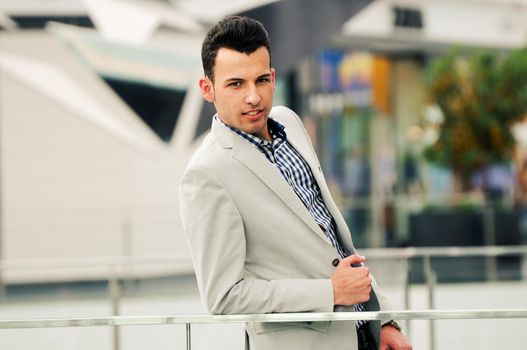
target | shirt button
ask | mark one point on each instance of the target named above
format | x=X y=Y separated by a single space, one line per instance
x=335 y=262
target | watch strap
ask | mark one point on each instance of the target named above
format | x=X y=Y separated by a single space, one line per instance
x=393 y=324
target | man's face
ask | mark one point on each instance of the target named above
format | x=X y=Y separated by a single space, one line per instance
x=243 y=89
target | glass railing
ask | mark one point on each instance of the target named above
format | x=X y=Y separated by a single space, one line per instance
x=120 y=278
x=189 y=320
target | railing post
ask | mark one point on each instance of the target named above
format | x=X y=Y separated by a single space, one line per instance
x=189 y=338
x=3 y=287
x=489 y=235
x=431 y=280
x=114 y=296
x=407 y=286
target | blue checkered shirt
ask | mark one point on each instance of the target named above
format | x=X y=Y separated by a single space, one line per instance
x=299 y=176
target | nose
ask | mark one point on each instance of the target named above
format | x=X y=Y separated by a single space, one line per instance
x=253 y=96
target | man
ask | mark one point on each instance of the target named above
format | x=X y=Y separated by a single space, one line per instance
x=264 y=233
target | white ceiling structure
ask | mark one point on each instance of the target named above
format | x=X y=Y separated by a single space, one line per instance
x=80 y=91
x=500 y=24
x=158 y=41
x=204 y=10
x=133 y=22
x=485 y=23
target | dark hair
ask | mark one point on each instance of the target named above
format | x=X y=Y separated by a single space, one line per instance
x=242 y=34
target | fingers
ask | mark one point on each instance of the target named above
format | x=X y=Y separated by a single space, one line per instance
x=365 y=286
x=351 y=285
x=393 y=339
x=353 y=259
x=363 y=273
x=362 y=298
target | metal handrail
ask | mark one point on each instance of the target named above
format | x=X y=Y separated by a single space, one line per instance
x=415 y=252
x=380 y=253
x=275 y=317
x=113 y=263
x=94 y=262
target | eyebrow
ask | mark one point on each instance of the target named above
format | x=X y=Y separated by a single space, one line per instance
x=229 y=80
x=233 y=79
x=266 y=75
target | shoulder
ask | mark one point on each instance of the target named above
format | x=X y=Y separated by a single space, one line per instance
x=210 y=156
x=285 y=116
x=294 y=126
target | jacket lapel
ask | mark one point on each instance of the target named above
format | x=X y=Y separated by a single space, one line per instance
x=302 y=146
x=254 y=160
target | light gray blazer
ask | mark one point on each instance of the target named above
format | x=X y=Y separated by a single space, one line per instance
x=255 y=246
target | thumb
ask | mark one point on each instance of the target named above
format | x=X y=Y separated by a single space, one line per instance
x=353 y=259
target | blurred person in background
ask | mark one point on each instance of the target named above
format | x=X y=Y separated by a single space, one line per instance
x=264 y=232
x=521 y=191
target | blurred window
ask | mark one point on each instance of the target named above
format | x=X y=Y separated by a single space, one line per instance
x=35 y=22
x=159 y=107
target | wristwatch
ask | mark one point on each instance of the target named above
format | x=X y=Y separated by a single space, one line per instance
x=393 y=324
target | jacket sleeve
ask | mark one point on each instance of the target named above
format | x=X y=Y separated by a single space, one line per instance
x=215 y=233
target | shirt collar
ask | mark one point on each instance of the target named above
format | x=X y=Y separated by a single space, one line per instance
x=276 y=129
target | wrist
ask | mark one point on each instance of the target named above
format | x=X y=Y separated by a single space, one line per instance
x=336 y=298
x=392 y=324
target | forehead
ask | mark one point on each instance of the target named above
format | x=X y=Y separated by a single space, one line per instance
x=231 y=63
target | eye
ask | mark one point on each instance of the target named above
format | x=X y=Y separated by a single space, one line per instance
x=263 y=80
x=235 y=84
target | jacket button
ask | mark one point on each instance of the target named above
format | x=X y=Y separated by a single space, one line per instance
x=335 y=262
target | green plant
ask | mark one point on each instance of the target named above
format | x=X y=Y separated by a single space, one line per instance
x=481 y=96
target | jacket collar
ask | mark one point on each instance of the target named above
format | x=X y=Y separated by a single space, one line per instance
x=221 y=133
x=254 y=160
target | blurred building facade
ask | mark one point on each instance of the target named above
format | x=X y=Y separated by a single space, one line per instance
x=100 y=111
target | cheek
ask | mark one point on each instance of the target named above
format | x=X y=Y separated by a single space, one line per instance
x=269 y=92
x=232 y=98
x=227 y=93
x=228 y=101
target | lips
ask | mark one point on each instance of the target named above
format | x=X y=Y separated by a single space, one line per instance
x=253 y=114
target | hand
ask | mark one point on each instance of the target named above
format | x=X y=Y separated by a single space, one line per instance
x=392 y=339
x=351 y=285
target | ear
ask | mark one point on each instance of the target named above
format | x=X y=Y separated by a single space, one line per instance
x=207 y=89
x=273 y=74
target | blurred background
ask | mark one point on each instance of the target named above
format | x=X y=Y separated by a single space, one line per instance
x=416 y=109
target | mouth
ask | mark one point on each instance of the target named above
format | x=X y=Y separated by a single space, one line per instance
x=254 y=114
